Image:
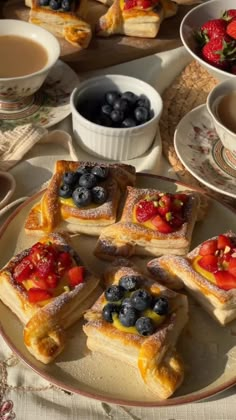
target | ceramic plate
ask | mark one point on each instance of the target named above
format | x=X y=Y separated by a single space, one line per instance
x=208 y=349
x=202 y=153
x=50 y=105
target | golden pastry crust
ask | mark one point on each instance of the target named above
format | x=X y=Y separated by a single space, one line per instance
x=176 y=272
x=135 y=21
x=128 y=237
x=53 y=213
x=69 y=25
x=45 y=322
x=154 y=356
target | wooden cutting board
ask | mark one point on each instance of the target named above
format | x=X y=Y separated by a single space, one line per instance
x=104 y=52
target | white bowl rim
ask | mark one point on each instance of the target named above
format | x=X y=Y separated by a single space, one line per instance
x=202 y=5
x=110 y=130
x=45 y=68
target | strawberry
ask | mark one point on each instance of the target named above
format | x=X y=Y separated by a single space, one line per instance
x=23 y=270
x=208 y=247
x=176 y=220
x=209 y=263
x=52 y=281
x=76 y=275
x=218 y=52
x=37 y=295
x=225 y=280
x=231 y=28
x=229 y=14
x=64 y=261
x=129 y=4
x=161 y=225
x=39 y=282
x=213 y=28
x=223 y=242
x=232 y=266
x=145 y=210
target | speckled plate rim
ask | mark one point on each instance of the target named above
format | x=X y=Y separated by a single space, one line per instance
x=185 y=154
x=173 y=401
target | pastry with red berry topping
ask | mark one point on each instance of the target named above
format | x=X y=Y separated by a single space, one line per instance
x=139 y=18
x=81 y=197
x=138 y=321
x=208 y=272
x=152 y=223
x=48 y=287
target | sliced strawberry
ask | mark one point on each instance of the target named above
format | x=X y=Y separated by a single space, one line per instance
x=231 y=28
x=224 y=241
x=145 y=210
x=130 y=4
x=64 y=261
x=46 y=266
x=208 y=247
x=181 y=197
x=225 y=280
x=232 y=266
x=39 y=282
x=161 y=225
x=76 y=275
x=23 y=270
x=52 y=281
x=209 y=263
x=37 y=295
x=177 y=220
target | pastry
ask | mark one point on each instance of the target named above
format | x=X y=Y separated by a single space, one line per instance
x=152 y=223
x=48 y=288
x=81 y=197
x=138 y=321
x=208 y=272
x=65 y=21
x=139 y=18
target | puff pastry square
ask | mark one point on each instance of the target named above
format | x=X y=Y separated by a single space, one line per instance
x=48 y=288
x=136 y=18
x=130 y=237
x=210 y=278
x=69 y=25
x=56 y=213
x=152 y=354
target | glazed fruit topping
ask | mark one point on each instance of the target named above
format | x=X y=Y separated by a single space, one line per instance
x=83 y=185
x=218 y=256
x=44 y=267
x=164 y=211
x=134 y=306
x=139 y=4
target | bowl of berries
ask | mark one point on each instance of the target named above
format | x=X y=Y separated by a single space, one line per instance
x=115 y=116
x=208 y=32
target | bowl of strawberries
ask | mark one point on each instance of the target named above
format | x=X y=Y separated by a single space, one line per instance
x=208 y=32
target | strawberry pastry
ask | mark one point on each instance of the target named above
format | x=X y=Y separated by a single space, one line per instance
x=208 y=272
x=48 y=287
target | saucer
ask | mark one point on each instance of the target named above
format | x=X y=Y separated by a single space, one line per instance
x=200 y=150
x=49 y=105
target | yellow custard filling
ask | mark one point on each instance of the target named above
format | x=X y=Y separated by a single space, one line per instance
x=204 y=273
x=157 y=319
x=70 y=202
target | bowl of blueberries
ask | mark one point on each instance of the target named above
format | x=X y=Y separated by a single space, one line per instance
x=115 y=116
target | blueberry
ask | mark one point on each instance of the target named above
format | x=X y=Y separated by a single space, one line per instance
x=129 y=283
x=161 y=306
x=117 y=116
x=103 y=120
x=141 y=299
x=111 y=96
x=108 y=310
x=128 y=315
x=70 y=178
x=43 y=2
x=129 y=96
x=106 y=109
x=82 y=196
x=127 y=302
x=144 y=326
x=65 y=191
x=99 y=194
x=121 y=105
x=100 y=172
x=143 y=101
x=141 y=114
x=114 y=293
x=66 y=5
x=83 y=170
x=55 y=4
x=88 y=180
x=128 y=122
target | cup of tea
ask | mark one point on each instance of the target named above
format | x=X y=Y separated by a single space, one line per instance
x=29 y=53
x=221 y=105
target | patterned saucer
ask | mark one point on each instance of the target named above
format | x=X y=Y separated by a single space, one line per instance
x=49 y=105
x=200 y=150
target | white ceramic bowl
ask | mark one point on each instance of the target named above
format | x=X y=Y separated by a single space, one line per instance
x=114 y=143
x=227 y=137
x=14 y=88
x=193 y=20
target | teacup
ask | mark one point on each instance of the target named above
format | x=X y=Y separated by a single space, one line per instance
x=221 y=105
x=16 y=90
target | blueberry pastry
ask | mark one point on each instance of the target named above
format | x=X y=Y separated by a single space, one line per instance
x=81 y=197
x=138 y=321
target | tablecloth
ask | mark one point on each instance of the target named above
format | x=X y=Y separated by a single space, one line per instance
x=34 y=398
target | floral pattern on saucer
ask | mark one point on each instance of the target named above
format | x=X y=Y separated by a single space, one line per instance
x=199 y=149
x=50 y=105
